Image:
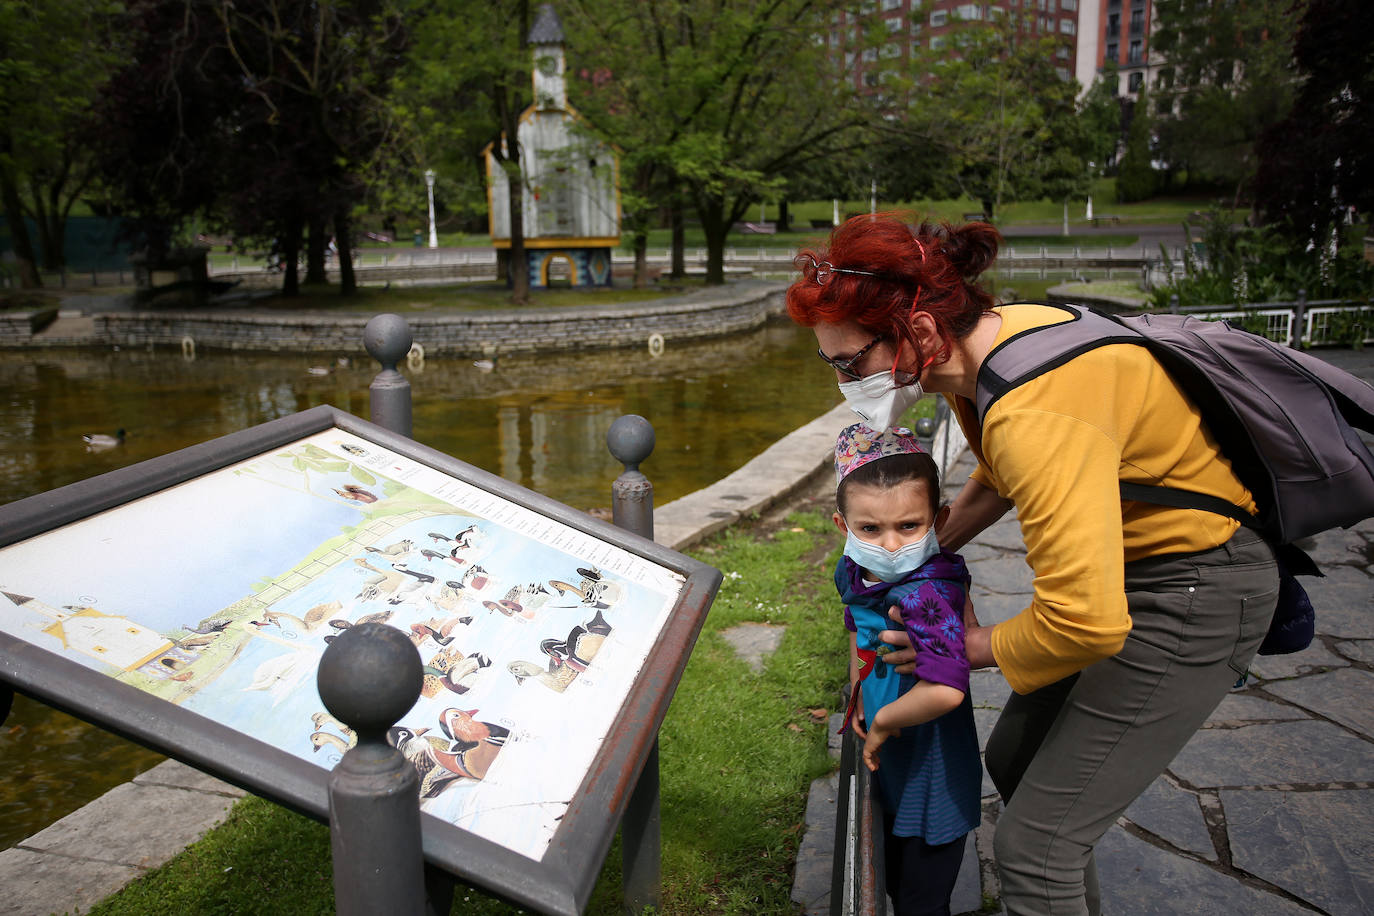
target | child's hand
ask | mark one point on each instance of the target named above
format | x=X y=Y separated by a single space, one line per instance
x=877 y=735
x=856 y=721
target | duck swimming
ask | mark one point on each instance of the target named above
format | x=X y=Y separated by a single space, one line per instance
x=99 y=442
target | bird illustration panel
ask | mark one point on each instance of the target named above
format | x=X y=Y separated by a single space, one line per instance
x=219 y=595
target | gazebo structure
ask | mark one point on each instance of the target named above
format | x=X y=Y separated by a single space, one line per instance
x=571 y=203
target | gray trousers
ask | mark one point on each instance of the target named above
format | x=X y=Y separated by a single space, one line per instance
x=1069 y=758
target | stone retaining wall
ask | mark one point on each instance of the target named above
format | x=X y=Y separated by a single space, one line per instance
x=710 y=313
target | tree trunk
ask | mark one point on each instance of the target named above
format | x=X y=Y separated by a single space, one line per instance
x=717 y=228
x=641 y=249
x=987 y=210
x=679 y=260
x=314 y=252
x=519 y=262
x=343 y=239
x=48 y=245
x=784 y=218
x=291 y=252
x=19 y=233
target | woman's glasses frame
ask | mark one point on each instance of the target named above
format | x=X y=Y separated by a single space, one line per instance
x=846 y=366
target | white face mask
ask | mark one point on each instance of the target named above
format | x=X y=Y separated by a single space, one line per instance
x=878 y=401
x=891 y=565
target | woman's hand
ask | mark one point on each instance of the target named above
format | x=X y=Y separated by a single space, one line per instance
x=977 y=644
x=903 y=658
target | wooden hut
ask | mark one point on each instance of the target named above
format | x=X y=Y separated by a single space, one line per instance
x=571 y=200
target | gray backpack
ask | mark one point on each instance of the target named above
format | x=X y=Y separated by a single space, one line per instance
x=1282 y=417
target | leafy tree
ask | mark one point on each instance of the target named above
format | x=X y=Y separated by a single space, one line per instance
x=722 y=99
x=990 y=114
x=263 y=116
x=1227 y=75
x=470 y=81
x=1099 y=111
x=54 y=54
x=1135 y=177
x=1319 y=161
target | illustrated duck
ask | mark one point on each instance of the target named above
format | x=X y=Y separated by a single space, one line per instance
x=399 y=549
x=312 y=620
x=476 y=744
x=522 y=600
x=591 y=590
x=422 y=750
x=475 y=579
x=355 y=493
x=210 y=626
x=99 y=442
x=439 y=631
x=567 y=658
x=339 y=623
x=382 y=582
x=320 y=740
x=453 y=671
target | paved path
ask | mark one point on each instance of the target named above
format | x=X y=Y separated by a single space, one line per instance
x=1269 y=809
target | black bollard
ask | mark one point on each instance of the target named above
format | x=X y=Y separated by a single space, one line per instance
x=387 y=337
x=631 y=440
x=368 y=678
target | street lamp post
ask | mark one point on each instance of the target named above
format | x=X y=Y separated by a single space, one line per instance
x=429 y=183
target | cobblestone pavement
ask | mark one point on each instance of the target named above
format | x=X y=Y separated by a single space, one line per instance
x=1269 y=809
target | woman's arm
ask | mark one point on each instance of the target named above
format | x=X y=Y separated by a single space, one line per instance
x=976 y=507
x=922 y=703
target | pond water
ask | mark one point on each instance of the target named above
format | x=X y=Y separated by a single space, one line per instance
x=537 y=421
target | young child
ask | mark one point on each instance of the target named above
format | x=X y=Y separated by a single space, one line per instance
x=918 y=731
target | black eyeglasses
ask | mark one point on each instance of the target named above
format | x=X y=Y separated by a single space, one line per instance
x=846 y=366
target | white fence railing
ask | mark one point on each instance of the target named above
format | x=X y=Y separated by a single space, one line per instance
x=1326 y=322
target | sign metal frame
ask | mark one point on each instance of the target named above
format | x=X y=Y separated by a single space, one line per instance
x=562 y=880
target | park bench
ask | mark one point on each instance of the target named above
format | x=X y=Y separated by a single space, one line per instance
x=1105 y=218
x=756 y=228
x=976 y=216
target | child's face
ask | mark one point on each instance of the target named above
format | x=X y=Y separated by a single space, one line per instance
x=890 y=517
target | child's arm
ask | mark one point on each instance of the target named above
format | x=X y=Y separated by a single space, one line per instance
x=922 y=703
x=856 y=721
x=970 y=618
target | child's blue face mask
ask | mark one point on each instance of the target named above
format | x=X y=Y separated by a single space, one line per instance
x=891 y=565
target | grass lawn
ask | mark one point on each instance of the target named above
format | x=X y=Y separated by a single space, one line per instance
x=738 y=751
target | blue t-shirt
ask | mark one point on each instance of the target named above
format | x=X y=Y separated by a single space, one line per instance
x=930 y=775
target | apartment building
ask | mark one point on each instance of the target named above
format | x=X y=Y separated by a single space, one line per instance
x=1090 y=33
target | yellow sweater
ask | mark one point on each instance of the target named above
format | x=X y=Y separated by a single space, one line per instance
x=1057 y=447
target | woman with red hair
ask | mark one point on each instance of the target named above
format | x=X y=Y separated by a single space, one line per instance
x=1143 y=615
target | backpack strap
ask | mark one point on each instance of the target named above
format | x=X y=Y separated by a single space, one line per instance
x=1187 y=499
x=1032 y=353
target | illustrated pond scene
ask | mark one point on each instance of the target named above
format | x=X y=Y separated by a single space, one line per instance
x=220 y=595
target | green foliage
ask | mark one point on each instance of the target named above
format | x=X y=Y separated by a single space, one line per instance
x=717 y=102
x=994 y=121
x=1227 y=75
x=1316 y=164
x=54 y=55
x=1240 y=265
x=1135 y=177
